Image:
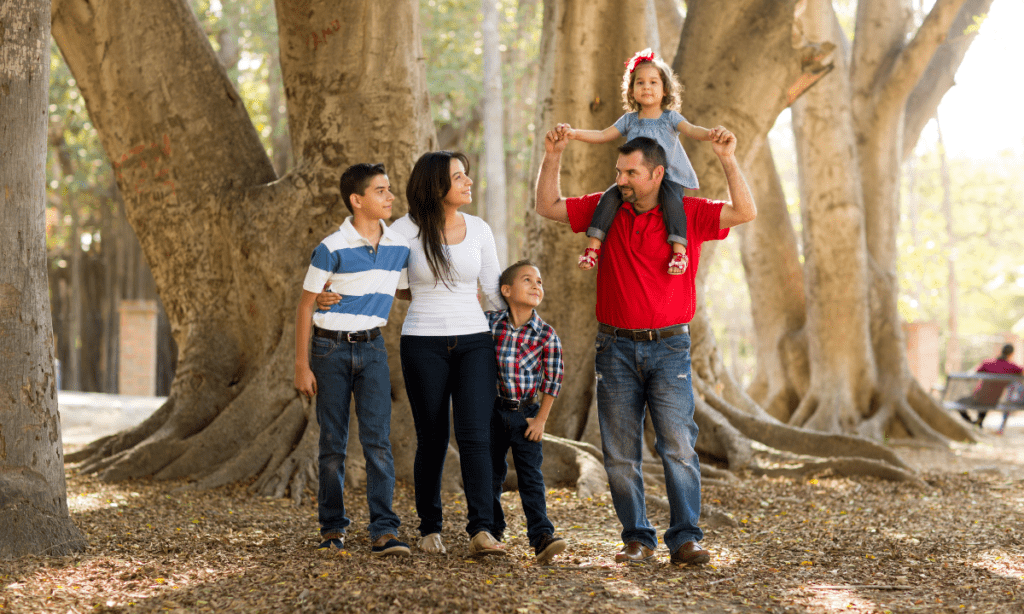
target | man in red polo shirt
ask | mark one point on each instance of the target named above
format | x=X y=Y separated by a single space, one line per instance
x=643 y=340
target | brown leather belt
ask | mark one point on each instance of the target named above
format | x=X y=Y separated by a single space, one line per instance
x=514 y=405
x=646 y=334
x=352 y=336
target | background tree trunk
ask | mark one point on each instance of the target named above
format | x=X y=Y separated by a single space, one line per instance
x=34 y=515
x=229 y=242
x=494 y=131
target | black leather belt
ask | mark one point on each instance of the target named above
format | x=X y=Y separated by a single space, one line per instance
x=514 y=405
x=646 y=334
x=352 y=336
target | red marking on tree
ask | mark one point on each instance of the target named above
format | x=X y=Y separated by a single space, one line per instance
x=314 y=36
x=165 y=150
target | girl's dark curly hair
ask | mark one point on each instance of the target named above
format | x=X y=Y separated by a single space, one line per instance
x=669 y=81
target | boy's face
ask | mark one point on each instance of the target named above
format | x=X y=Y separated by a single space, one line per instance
x=375 y=201
x=527 y=288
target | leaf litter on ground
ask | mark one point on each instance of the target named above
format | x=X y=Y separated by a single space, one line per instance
x=816 y=545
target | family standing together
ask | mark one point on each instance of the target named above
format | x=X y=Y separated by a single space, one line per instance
x=499 y=371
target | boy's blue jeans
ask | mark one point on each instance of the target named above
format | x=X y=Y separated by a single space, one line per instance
x=341 y=370
x=508 y=430
x=630 y=375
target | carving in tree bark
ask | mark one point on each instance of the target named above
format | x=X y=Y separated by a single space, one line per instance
x=34 y=515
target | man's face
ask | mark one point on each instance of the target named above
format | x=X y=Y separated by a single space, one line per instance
x=376 y=199
x=636 y=182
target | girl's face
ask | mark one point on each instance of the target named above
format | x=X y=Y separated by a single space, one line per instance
x=460 y=193
x=648 y=88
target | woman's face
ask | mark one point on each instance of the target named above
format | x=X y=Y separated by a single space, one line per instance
x=461 y=192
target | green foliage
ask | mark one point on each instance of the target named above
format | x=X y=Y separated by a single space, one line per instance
x=452 y=45
x=244 y=36
x=77 y=172
x=986 y=199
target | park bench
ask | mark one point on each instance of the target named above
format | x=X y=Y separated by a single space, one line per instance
x=962 y=392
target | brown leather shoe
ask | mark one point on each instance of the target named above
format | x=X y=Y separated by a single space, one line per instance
x=634 y=552
x=690 y=554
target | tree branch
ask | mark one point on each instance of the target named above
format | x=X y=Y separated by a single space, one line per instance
x=914 y=59
x=938 y=78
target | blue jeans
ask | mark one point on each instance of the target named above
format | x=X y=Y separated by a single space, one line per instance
x=461 y=372
x=341 y=370
x=508 y=430
x=631 y=374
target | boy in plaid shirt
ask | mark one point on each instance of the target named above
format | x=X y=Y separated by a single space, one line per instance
x=529 y=378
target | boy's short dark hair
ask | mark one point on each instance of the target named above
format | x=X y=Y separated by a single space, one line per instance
x=509 y=275
x=356 y=179
x=654 y=154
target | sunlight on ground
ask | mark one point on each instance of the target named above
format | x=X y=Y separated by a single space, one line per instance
x=1002 y=563
x=89 y=501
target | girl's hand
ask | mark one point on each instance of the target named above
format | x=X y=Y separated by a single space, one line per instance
x=535 y=430
x=565 y=130
x=717 y=133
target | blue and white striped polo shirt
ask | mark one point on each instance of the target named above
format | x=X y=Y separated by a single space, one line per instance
x=365 y=278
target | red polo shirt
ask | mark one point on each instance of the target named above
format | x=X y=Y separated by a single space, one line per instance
x=634 y=289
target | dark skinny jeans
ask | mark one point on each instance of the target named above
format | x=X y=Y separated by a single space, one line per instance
x=461 y=371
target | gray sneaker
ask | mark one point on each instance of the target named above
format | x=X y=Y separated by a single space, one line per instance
x=432 y=544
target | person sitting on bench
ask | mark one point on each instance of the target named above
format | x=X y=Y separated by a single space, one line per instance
x=988 y=392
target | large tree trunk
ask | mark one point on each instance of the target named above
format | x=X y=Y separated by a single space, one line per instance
x=583 y=47
x=34 y=515
x=228 y=241
x=849 y=131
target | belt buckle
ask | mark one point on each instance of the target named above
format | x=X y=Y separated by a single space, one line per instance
x=643 y=335
x=352 y=336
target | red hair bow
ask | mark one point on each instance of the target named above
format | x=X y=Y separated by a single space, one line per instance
x=644 y=56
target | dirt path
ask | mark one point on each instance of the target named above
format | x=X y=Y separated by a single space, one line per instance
x=818 y=545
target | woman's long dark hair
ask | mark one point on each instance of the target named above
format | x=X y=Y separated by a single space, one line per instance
x=428 y=185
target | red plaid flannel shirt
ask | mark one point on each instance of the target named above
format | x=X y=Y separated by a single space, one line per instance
x=529 y=357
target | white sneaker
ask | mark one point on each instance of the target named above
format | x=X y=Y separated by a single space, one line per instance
x=432 y=544
x=483 y=543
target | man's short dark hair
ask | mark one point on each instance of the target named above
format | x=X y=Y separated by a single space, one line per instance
x=508 y=276
x=654 y=154
x=356 y=179
x=1007 y=350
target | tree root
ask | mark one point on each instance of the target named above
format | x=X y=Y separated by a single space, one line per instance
x=844 y=466
x=732 y=445
x=267 y=450
x=794 y=439
x=125 y=440
x=295 y=469
x=937 y=418
x=572 y=462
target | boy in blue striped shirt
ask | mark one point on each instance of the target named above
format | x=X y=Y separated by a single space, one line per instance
x=363 y=261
